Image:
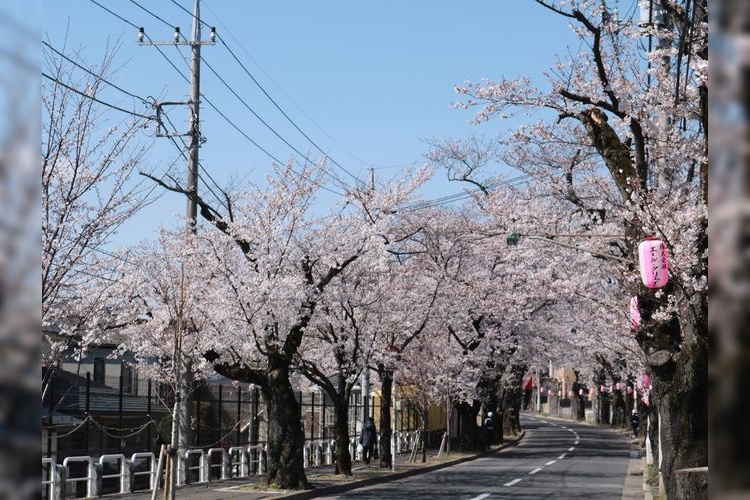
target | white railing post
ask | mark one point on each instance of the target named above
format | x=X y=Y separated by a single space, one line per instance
x=201 y=467
x=258 y=451
x=90 y=478
x=241 y=464
x=223 y=463
x=124 y=473
x=318 y=453
x=331 y=451
x=151 y=469
x=50 y=480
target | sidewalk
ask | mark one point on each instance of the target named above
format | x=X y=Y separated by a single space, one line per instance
x=362 y=475
x=322 y=478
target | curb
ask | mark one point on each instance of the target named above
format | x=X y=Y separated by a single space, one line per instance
x=340 y=488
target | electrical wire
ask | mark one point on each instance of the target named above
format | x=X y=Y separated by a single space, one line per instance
x=104 y=103
x=285 y=114
x=269 y=127
x=268 y=96
x=215 y=108
x=98 y=77
x=452 y=198
x=281 y=90
x=151 y=13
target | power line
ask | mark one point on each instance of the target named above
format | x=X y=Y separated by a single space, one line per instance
x=152 y=14
x=99 y=77
x=132 y=113
x=270 y=78
x=460 y=196
x=116 y=15
x=269 y=127
x=215 y=108
x=270 y=98
x=285 y=114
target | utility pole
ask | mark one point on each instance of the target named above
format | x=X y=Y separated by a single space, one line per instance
x=182 y=413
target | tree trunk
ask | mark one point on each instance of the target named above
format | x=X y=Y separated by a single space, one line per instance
x=469 y=437
x=285 y=435
x=680 y=386
x=386 y=377
x=343 y=457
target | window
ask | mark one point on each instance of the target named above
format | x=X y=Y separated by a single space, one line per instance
x=98 y=370
x=127 y=377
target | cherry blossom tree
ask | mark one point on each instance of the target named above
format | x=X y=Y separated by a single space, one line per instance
x=159 y=304
x=272 y=262
x=340 y=341
x=627 y=146
x=89 y=159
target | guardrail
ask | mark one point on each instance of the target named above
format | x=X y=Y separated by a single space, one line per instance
x=123 y=474
x=239 y=467
x=201 y=467
x=235 y=462
x=89 y=478
x=134 y=459
x=257 y=455
x=49 y=480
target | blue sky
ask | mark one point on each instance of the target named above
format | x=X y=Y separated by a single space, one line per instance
x=367 y=81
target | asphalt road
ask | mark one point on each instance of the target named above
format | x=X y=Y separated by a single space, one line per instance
x=556 y=459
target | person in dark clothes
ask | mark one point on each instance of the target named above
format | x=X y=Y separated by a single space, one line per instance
x=635 y=421
x=367 y=439
x=489 y=430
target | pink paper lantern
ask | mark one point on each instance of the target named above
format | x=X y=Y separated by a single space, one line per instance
x=629 y=389
x=646 y=381
x=580 y=392
x=559 y=394
x=617 y=385
x=652 y=257
x=610 y=389
x=549 y=392
x=602 y=389
x=635 y=314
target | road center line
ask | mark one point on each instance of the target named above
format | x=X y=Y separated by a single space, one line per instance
x=513 y=482
x=480 y=497
x=551 y=462
x=576 y=441
x=571 y=448
x=561 y=456
x=535 y=470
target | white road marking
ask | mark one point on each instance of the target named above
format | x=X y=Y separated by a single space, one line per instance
x=571 y=448
x=551 y=462
x=480 y=497
x=535 y=470
x=513 y=482
x=561 y=456
x=576 y=441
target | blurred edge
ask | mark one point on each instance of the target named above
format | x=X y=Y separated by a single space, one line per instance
x=20 y=249
x=729 y=235
x=20 y=254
